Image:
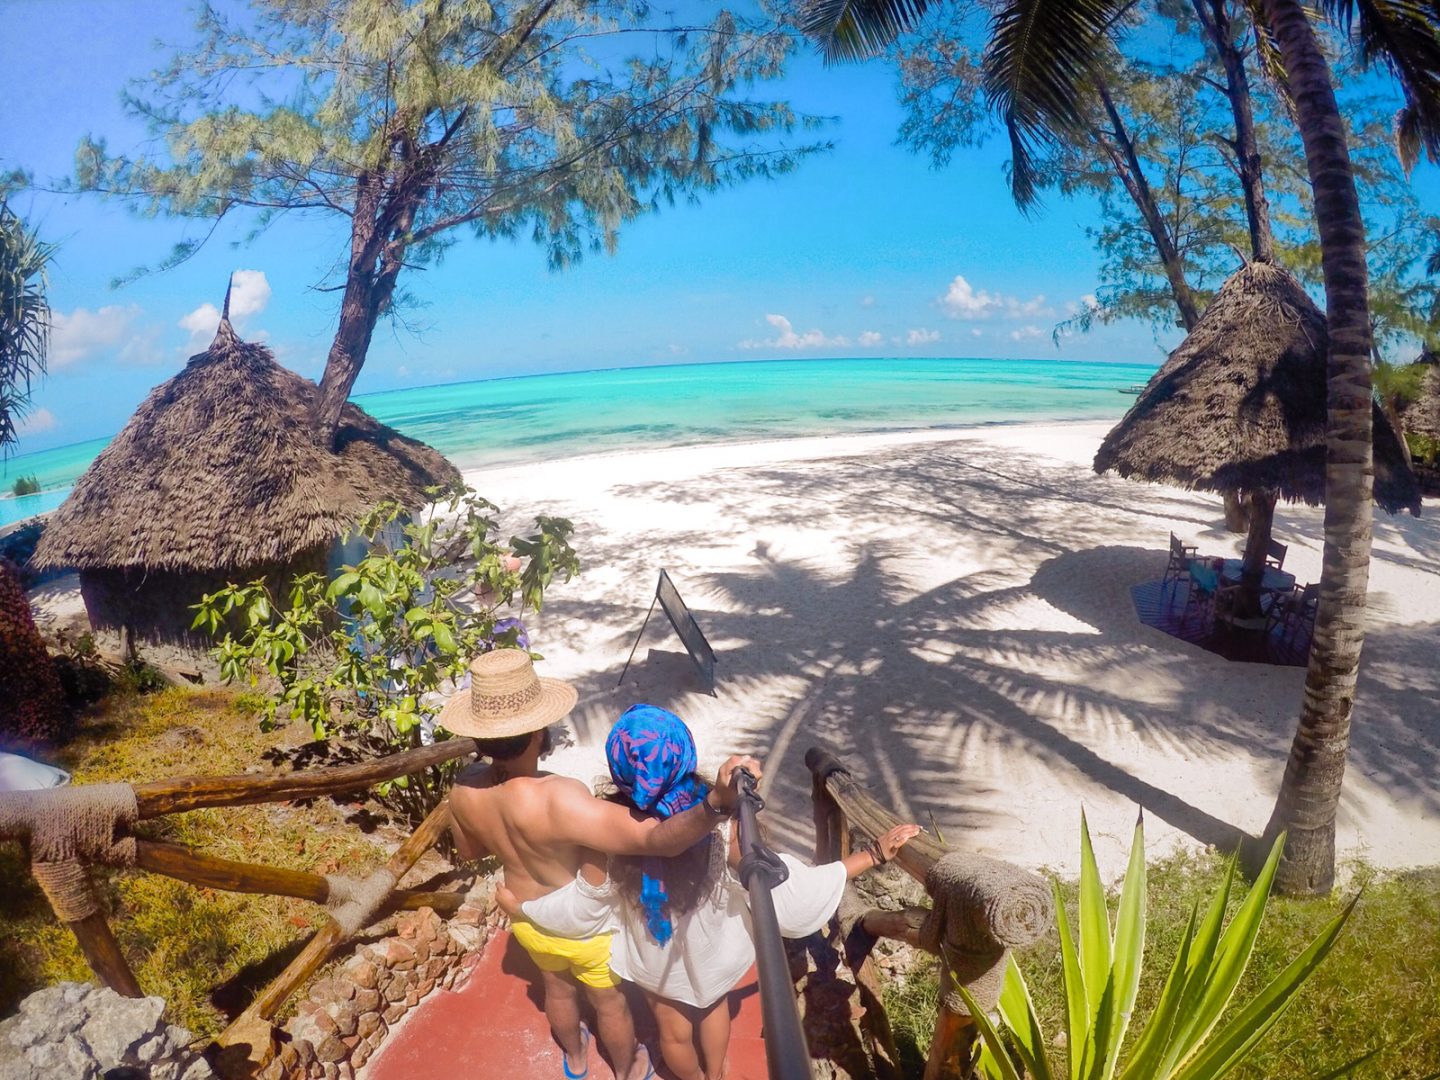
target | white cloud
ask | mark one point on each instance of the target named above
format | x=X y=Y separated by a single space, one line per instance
x=403 y=370
x=976 y=332
x=963 y=301
x=676 y=349
x=82 y=333
x=36 y=422
x=249 y=295
x=788 y=338
x=922 y=337
x=870 y=337
x=1026 y=332
x=867 y=301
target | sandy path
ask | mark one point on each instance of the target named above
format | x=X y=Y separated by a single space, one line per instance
x=950 y=611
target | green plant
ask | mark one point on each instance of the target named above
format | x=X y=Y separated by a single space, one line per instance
x=362 y=651
x=25 y=485
x=1183 y=1038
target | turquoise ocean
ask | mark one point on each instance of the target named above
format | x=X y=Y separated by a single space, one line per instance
x=541 y=417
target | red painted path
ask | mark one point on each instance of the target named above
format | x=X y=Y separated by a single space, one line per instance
x=495 y=1027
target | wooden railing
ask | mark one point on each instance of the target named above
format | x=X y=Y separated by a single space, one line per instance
x=69 y=829
x=842 y=805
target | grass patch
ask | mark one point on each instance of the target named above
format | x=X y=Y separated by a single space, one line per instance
x=191 y=946
x=1379 y=987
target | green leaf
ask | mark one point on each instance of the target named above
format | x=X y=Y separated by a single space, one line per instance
x=1128 y=952
x=342 y=585
x=1005 y=1067
x=1077 y=1010
x=1233 y=954
x=1240 y=1035
x=1155 y=1036
x=1017 y=1009
x=1200 y=964
x=1094 y=925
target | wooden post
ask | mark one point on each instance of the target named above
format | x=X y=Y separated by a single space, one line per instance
x=832 y=831
x=953 y=1034
x=859 y=809
x=103 y=953
x=268 y=1002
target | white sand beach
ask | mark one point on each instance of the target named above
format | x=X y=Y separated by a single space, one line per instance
x=950 y=612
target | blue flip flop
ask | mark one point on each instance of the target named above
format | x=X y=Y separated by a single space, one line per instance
x=585 y=1045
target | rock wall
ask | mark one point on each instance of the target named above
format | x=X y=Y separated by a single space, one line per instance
x=82 y=1032
x=341 y=1023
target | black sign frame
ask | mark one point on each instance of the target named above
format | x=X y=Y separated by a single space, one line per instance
x=702 y=655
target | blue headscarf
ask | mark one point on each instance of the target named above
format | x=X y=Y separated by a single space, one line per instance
x=652 y=761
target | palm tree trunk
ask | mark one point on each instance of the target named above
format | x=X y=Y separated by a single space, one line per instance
x=1310 y=792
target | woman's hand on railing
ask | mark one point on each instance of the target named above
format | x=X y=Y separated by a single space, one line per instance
x=880 y=851
x=891 y=842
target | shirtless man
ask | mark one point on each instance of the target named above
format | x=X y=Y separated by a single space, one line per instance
x=543 y=827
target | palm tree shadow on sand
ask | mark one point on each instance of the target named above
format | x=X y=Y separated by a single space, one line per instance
x=946 y=702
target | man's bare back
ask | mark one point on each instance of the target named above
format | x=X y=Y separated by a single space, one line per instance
x=511 y=819
x=542 y=827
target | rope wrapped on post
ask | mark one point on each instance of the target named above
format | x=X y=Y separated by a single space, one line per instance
x=64 y=829
x=982 y=909
x=354 y=902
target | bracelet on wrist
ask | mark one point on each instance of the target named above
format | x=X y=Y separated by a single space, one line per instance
x=712 y=810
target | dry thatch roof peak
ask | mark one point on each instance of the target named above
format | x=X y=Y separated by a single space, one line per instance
x=218 y=470
x=1422 y=416
x=1240 y=404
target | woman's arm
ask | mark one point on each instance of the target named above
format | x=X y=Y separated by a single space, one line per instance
x=879 y=852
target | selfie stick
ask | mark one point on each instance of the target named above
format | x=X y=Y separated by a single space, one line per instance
x=760 y=871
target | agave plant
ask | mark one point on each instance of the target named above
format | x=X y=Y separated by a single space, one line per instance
x=1183 y=1038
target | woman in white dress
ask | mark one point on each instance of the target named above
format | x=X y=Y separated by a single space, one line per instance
x=681 y=926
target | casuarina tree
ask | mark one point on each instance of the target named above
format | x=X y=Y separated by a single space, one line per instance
x=412 y=122
x=32 y=708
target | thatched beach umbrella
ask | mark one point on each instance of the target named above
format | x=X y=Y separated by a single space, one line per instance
x=218 y=478
x=1240 y=405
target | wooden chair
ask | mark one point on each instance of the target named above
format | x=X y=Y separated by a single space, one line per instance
x=1200 y=599
x=1275 y=554
x=1294 y=611
x=1178 y=566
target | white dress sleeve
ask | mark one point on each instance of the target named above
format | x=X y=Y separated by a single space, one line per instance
x=577 y=910
x=806 y=899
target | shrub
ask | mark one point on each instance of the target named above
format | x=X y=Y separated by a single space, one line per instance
x=366 y=651
x=32 y=706
x=25 y=485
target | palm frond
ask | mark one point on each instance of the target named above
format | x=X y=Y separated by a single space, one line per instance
x=857 y=29
x=1037 y=68
x=1404 y=36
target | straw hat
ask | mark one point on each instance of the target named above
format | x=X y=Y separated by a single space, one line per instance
x=505 y=698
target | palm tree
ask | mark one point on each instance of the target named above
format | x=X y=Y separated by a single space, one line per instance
x=32 y=709
x=1040 y=56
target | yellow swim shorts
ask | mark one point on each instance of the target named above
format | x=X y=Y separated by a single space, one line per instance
x=587 y=960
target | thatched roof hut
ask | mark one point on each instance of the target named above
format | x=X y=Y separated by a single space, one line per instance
x=1240 y=405
x=217 y=478
x=1422 y=415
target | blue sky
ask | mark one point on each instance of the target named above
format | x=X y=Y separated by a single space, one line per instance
x=855 y=254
